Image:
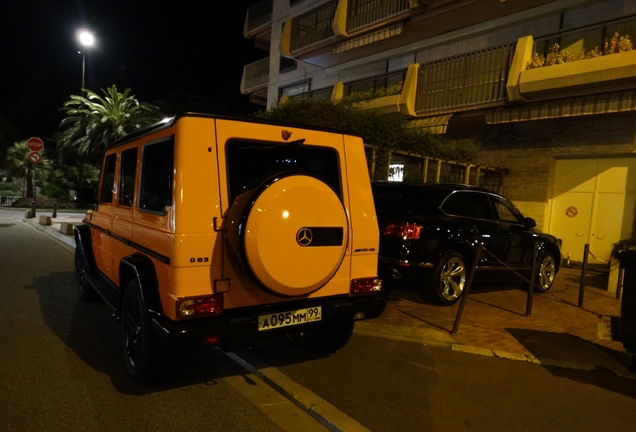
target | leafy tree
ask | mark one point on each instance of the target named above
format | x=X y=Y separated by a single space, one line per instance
x=8 y=135
x=93 y=122
x=19 y=165
x=386 y=131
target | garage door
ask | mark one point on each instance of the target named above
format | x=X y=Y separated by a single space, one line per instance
x=593 y=203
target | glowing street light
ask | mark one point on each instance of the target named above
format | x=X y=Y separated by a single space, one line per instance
x=86 y=40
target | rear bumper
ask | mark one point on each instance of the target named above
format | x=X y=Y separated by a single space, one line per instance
x=240 y=326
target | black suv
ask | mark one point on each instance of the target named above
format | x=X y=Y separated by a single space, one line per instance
x=430 y=233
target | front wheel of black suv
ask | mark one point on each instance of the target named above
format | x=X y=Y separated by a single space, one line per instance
x=546 y=272
x=449 y=279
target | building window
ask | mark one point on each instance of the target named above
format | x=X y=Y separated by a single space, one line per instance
x=286 y=65
x=293 y=89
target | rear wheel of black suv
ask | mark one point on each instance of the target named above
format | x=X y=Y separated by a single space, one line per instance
x=449 y=278
x=546 y=272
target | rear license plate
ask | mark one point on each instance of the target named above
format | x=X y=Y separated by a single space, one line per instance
x=284 y=319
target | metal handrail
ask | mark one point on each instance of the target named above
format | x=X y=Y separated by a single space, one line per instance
x=364 y=13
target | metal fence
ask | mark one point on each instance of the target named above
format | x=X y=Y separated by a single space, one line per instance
x=378 y=86
x=470 y=79
x=364 y=13
x=587 y=38
x=6 y=201
x=256 y=74
x=313 y=27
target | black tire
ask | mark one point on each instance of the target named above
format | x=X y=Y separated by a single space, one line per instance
x=546 y=272
x=329 y=338
x=449 y=278
x=85 y=290
x=147 y=360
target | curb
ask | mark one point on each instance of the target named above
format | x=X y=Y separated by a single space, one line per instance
x=321 y=410
x=53 y=231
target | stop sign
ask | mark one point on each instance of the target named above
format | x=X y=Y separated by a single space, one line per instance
x=35 y=144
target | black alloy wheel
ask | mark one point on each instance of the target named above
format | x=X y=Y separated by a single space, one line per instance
x=143 y=353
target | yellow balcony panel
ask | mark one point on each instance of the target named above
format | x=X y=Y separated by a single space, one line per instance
x=600 y=74
x=384 y=105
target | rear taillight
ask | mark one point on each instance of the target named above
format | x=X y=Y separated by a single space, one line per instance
x=365 y=286
x=197 y=306
x=406 y=230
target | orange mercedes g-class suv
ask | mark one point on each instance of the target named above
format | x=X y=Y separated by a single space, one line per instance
x=212 y=230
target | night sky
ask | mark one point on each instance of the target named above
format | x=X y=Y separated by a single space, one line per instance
x=180 y=51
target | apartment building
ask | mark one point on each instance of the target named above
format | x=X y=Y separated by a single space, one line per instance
x=562 y=136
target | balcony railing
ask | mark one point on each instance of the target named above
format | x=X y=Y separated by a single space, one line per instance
x=364 y=13
x=313 y=27
x=259 y=14
x=586 y=39
x=384 y=85
x=470 y=79
x=323 y=93
x=256 y=74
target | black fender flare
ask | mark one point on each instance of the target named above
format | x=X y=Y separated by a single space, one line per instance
x=141 y=268
x=83 y=242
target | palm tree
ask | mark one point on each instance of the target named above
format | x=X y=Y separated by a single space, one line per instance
x=19 y=165
x=93 y=122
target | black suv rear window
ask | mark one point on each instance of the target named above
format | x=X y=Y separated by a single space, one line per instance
x=395 y=196
x=250 y=163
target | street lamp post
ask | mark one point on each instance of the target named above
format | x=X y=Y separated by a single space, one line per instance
x=86 y=40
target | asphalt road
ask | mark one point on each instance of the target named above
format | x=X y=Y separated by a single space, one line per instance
x=391 y=385
x=61 y=366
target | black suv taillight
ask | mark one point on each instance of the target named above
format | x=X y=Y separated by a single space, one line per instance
x=406 y=230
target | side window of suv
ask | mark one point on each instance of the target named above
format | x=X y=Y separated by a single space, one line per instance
x=108 y=182
x=506 y=212
x=156 y=176
x=127 y=177
x=468 y=204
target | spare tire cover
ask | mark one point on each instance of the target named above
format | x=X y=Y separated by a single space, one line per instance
x=291 y=234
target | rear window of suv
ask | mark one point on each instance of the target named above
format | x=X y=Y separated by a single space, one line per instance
x=403 y=197
x=250 y=163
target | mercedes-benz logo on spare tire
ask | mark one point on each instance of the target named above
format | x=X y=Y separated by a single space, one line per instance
x=304 y=237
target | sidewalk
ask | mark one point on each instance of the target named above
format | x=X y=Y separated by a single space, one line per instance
x=494 y=322
x=59 y=228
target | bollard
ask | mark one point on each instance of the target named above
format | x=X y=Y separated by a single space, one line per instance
x=619 y=284
x=469 y=282
x=54 y=210
x=33 y=208
x=533 y=276
x=583 y=271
